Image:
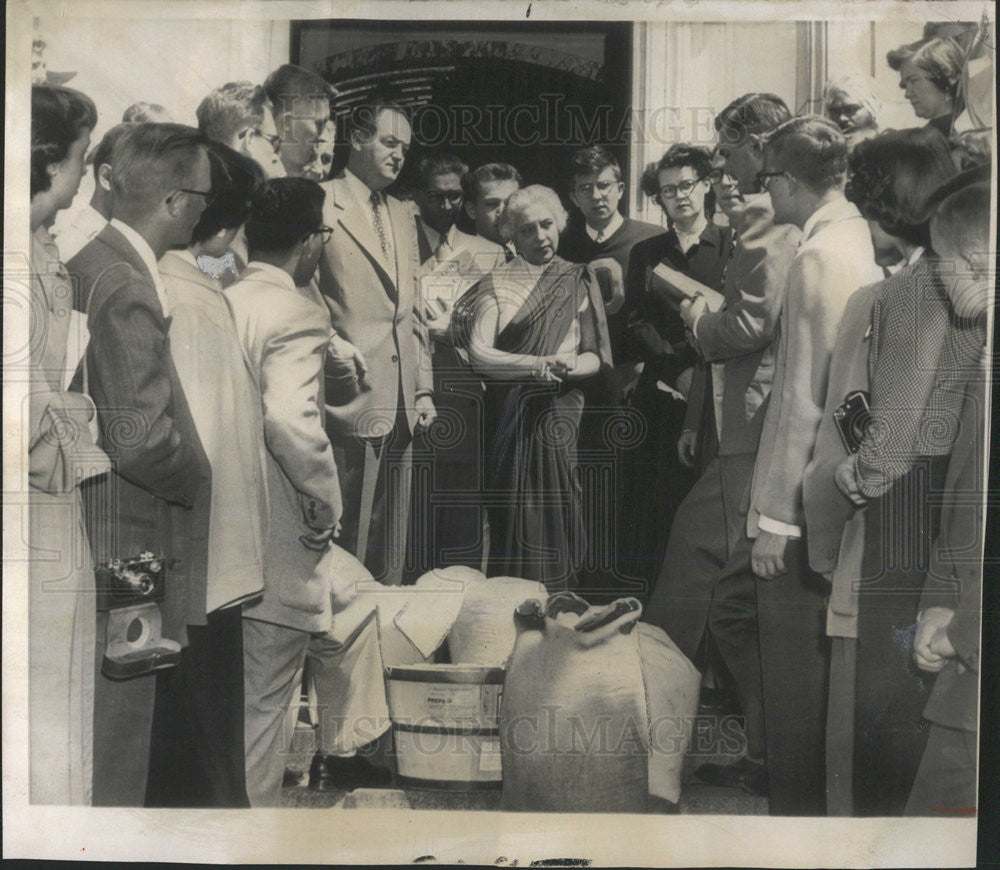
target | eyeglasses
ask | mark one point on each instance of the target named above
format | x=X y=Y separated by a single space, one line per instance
x=454 y=197
x=764 y=178
x=601 y=187
x=669 y=191
x=208 y=194
x=275 y=141
x=715 y=176
x=325 y=231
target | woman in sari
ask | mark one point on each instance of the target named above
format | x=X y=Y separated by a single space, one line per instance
x=537 y=331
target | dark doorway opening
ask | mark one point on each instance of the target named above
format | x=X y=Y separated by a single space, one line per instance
x=521 y=93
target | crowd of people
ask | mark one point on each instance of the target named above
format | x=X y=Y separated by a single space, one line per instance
x=245 y=355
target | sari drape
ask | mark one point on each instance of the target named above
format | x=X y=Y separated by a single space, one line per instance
x=534 y=495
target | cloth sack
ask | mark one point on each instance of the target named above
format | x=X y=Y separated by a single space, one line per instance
x=593 y=720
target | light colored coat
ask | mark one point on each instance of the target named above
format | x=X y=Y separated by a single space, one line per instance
x=209 y=362
x=834 y=259
x=284 y=335
x=375 y=306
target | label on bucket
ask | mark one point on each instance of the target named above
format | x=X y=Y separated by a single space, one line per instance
x=453 y=700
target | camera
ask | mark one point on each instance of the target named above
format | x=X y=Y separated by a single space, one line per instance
x=124 y=582
x=130 y=590
x=853 y=417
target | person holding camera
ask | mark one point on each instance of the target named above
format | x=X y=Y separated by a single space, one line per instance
x=157 y=498
x=917 y=351
x=890 y=175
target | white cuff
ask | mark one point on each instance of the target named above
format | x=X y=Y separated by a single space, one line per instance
x=776 y=527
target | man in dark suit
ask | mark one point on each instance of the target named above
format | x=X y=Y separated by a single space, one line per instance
x=157 y=496
x=367 y=275
x=447 y=525
x=702 y=594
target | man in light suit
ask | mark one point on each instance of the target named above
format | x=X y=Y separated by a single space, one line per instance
x=284 y=335
x=157 y=497
x=446 y=528
x=705 y=597
x=367 y=275
x=805 y=164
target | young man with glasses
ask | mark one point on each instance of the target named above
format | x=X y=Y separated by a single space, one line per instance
x=301 y=104
x=284 y=334
x=702 y=597
x=239 y=115
x=157 y=496
x=599 y=233
x=805 y=164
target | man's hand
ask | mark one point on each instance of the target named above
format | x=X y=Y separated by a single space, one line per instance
x=691 y=311
x=426 y=414
x=846 y=478
x=685 y=447
x=340 y=348
x=438 y=320
x=684 y=382
x=768 y=556
x=932 y=647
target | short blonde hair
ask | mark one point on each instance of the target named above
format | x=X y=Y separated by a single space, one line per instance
x=854 y=86
x=533 y=194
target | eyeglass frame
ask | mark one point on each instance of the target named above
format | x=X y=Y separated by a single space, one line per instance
x=454 y=197
x=208 y=194
x=722 y=173
x=589 y=188
x=688 y=183
x=763 y=178
x=325 y=230
x=275 y=140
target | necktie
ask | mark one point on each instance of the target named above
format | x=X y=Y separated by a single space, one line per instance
x=383 y=238
x=599 y=237
x=443 y=249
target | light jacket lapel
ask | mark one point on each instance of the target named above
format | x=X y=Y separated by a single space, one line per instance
x=351 y=215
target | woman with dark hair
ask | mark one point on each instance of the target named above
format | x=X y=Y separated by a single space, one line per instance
x=654 y=477
x=61 y=454
x=930 y=72
x=916 y=348
x=537 y=330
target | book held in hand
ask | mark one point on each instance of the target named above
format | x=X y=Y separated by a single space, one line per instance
x=680 y=287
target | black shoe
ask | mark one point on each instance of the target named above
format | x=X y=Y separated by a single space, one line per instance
x=746 y=775
x=293 y=778
x=718 y=702
x=336 y=773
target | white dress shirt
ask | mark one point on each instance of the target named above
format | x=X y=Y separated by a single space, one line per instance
x=616 y=221
x=147 y=256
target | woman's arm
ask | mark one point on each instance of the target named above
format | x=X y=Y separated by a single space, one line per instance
x=493 y=363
